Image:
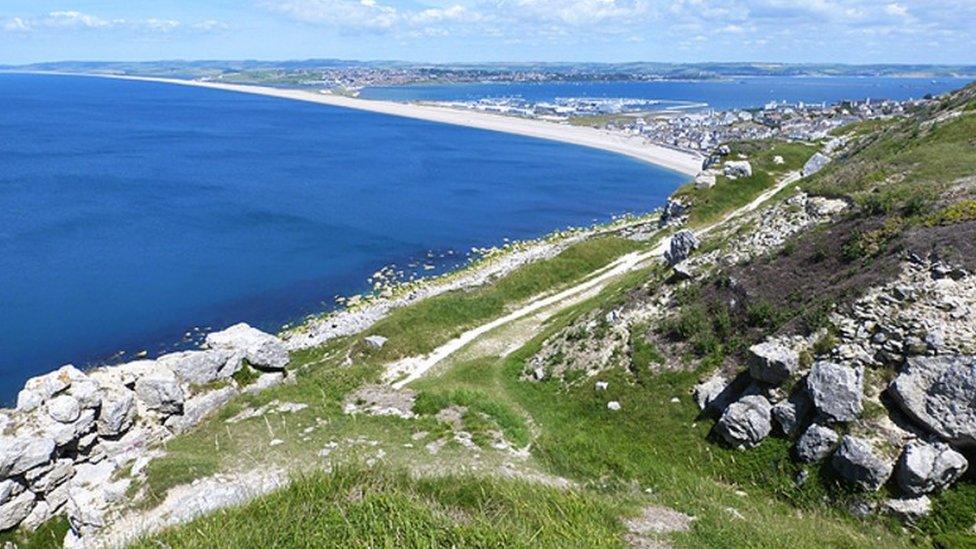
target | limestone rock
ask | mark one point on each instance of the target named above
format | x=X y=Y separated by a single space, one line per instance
x=66 y=433
x=790 y=413
x=816 y=443
x=16 y=510
x=199 y=407
x=375 y=342
x=909 y=509
x=62 y=470
x=772 y=362
x=816 y=163
x=715 y=393
x=64 y=408
x=682 y=244
x=925 y=468
x=9 y=489
x=20 y=454
x=705 y=180
x=937 y=392
x=117 y=412
x=673 y=213
x=857 y=461
x=836 y=390
x=746 y=422
x=160 y=391
x=202 y=367
x=261 y=350
x=738 y=168
x=40 y=389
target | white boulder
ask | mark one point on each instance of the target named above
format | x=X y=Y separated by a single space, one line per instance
x=261 y=350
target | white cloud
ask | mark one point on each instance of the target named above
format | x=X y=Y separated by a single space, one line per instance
x=16 y=24
x=211 y=25
x=163 y=25
x=73 y=18
x=897 y=10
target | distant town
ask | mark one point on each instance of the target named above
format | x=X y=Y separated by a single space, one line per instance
x=694 y=126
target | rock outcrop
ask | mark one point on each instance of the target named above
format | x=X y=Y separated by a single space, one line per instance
x=260 y=350
x=682 y=244
x=816 y=163
x=738 y=168
x=73 y=430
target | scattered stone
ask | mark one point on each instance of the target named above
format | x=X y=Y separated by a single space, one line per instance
x=928 y=467
x=778 y=160
x=376 y=342
x=613 y=405
x=858 y=462
x=816 y=443
x=20 y=454
x=160 y=391
x=261 y=350
x=909 y=509
x=937 y=392
x=772 y=362
x=276 y=442
x=816 y=163
x=682 y=244
x=381 y=400
x=836 y=390
x=602 y=385
x=654 y=521
x=746 y=422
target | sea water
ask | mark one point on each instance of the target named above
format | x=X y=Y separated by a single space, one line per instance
x=135 y=213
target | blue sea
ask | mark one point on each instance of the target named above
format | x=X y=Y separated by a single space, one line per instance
x=738 y=93
x=135 y=213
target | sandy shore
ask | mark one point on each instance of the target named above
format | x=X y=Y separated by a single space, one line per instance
x=683 y=162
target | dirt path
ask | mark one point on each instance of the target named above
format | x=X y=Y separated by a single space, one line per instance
x=410 y=369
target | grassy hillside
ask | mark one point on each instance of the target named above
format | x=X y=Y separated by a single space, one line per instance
x=548 y=463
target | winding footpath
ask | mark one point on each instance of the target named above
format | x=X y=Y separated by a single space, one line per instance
x=410 y=369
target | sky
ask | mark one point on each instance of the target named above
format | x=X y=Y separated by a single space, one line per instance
x=841 y=31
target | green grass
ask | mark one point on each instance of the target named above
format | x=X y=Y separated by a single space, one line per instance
x=49 y=536
x=355 y=507
x=709 y=205
x=422 y=327
x=483 y=414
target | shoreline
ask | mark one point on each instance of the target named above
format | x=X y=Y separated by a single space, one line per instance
x=682 y=162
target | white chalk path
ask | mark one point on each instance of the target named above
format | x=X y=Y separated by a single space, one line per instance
x=684 y=162
x=410 y=369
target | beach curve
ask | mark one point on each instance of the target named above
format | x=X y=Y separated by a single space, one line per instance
x=684 y=162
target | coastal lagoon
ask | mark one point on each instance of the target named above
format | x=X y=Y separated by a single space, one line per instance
x=738 y=93
x=138 y=214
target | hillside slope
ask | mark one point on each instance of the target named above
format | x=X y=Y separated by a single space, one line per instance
x=648 y=405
